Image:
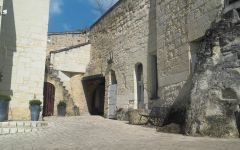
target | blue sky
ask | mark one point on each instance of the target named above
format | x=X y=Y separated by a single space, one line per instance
x=70 y=15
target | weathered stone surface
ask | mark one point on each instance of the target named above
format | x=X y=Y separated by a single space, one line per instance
x=133 y=31
x=122 y=114
x=216 y=83
x=135 y=117
x=171 y=128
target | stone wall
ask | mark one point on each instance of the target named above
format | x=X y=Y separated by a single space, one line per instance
x=23 y=43
x=134 y=30
x=78 y=93
x=69 y=65
x=60 y=40
x=214 y=106
x=122 y=33
x=71 y=60
x=178 y=24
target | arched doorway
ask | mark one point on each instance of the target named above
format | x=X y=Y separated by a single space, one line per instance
x=48 y=103
x=140 y=85
x=112 y=96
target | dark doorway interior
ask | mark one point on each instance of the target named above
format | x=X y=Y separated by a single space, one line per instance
x=94 y=89
x=140 y=85
x=154 y=77
x=48 y=103
x=232 y=1
x=98 y=100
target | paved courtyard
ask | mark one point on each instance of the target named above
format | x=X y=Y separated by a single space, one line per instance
x=96 y=133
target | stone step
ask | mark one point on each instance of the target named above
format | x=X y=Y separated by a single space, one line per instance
x=12 y=127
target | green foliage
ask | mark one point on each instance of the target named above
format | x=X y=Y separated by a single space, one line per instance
x=5 y=97
x=35 y=102
x=62 y=104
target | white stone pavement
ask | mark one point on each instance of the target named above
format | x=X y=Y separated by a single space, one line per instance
x=96 y=133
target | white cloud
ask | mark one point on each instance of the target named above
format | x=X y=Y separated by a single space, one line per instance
x=67 y=27
x=56 y=7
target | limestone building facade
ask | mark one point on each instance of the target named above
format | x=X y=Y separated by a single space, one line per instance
x=22 y=53
x=144 y=54
x=68 y=55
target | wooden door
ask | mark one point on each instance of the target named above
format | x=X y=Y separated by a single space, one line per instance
x=49 y=95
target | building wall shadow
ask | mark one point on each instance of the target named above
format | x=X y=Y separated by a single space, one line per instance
x=7 y=48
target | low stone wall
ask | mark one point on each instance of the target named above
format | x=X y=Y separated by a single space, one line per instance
x=13 y=127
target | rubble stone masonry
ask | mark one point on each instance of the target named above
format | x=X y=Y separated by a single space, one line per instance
x=60 y=40
x=133 y=30
x=122 y=33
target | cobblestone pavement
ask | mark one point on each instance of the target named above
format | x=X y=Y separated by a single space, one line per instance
x=96 y=133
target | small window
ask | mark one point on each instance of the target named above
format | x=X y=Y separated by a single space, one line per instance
x=113 y=77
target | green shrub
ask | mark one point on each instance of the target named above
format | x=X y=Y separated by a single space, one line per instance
x=5 y=97
x=35 y=102
x=62 y=104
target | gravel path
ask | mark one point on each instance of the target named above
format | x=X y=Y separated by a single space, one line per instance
x=96 y=133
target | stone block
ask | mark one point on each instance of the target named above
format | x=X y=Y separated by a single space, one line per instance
x=171 y=128
x=12 y=124
x=21 y=130
x=13 y=130
x=5 y=130
x=27 y=124
x=39 y=124
x=5 y=124
x=27 y=130
x=122 y=114
x=20 y=124
x=135 y=117
x=33 y=124
x=34 y=129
